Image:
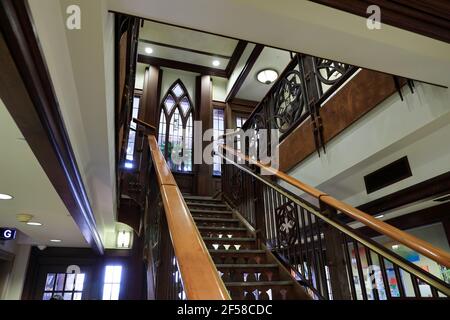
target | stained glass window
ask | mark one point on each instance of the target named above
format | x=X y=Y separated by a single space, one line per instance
x=175 y=131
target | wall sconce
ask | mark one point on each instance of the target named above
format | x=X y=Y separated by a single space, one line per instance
x=124 y=239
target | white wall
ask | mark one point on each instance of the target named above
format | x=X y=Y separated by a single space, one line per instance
x=416 y=127
x=219 y=88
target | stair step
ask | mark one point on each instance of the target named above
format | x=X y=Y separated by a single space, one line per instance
x=246 y=265
x=211 y=211
x=259 y=284
x=215 y=219
x=203 y=204
x=201 y=228
x=201 y=198
x=228 y=239
x=243 y=251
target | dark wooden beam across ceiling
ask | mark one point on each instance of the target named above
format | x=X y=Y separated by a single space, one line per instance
x=430 y=18
x=161 y=62
x=245 y=72
x=426 y=190
x=211 y=54
x=438 y=213
x=237 y=53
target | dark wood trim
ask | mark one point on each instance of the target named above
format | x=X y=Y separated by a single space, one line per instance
x=430 y=18
x=27 y=91
x=245 y=71
x=416 y=219
x=237 y=54
x=425 y=190
x=243 y=102
x=161 y=62
x=156 y=43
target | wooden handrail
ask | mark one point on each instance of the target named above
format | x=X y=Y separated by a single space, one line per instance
x=144 y=124
x=201 y=280
x=440 y=256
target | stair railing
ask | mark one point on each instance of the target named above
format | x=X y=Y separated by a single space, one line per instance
x=330 y=258
x=179 y=266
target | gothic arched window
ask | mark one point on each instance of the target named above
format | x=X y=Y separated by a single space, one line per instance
x=176 y=127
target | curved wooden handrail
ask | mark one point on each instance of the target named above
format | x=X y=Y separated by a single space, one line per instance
x=440 y=256
x=201 y=280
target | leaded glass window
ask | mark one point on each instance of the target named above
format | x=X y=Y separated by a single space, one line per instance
x=175 y=132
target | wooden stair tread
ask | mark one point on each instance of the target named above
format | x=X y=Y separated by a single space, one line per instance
x=243 y=251
x=247 y=265
x=210 y=211
x=216 y=219
x=202 y=198
x=203 y=204
x=222 y=228
x=259 y=283
x=227 y=239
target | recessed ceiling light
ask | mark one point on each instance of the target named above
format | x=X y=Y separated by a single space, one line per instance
x=148 y=50
x=216 y=63
x=55 y=240
x=4 y=196
x=31 y=223
x=395 y=246
x=267 y=76
x=380 y=216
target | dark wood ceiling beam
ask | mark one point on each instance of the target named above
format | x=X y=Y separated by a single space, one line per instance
x=430 y=18
x=426 y=190
x=161 y=62
x=237 y=54
x=416 y=219
x=211 y=54
x=27 y=92
x=245 y=72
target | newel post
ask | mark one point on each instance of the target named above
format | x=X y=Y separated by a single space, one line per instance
x=335 y=257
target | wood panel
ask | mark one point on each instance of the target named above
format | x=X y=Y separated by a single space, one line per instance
x=204 y=114
x=430 y=18
x=185 y=181
x=360 y=95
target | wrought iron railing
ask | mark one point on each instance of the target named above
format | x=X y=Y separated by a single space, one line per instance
x=330 y=258
x=299 y=93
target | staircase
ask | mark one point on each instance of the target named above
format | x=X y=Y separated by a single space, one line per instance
x=249 y=271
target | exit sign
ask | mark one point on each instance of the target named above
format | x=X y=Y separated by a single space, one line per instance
x=7 y=234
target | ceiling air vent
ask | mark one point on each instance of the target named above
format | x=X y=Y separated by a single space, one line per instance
x=389 y=174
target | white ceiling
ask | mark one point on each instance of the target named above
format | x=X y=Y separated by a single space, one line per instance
x=81 y=66
x=270 y=58
x=22 y=177
x=305 y=27
x=185 y=38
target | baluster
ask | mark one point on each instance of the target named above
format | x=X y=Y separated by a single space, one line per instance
x=398 y=276
x=387 y=287
x=374 y=285
x=362 y=282
x=348 y=263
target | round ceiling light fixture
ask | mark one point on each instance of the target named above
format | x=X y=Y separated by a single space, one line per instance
x=4 y=196
x=267 y=76
x=148 y=50
x=216 y=63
